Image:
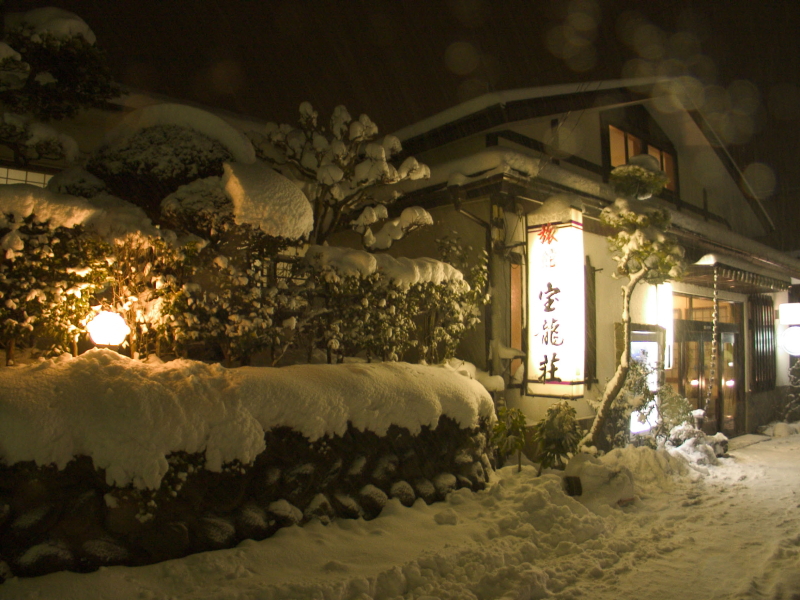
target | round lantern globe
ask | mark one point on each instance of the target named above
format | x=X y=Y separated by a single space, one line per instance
x=108 y=329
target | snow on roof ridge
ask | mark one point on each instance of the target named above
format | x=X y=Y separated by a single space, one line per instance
x=474 y=105
x=191 y=117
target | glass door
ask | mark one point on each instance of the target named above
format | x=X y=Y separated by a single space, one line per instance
x=719 y=394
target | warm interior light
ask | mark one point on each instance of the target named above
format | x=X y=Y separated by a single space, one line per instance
x=695 y=382
x=108 y=329
x=790 y=340
x=730 y=383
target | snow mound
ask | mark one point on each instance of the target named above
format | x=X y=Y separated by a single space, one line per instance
x=779 y=429
x=652 y=469
x=403 y=271
x=22 y=200
x=264 y=198
x=110 y=217
x=199 y=120
x=115 y=219
x=59 y=23
x=128 y=416
x=492 y=383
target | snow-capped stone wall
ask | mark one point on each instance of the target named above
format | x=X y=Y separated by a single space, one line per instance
x=109 y=461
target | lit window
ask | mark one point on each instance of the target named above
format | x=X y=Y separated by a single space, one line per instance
x=11 y=176
x=624 y=145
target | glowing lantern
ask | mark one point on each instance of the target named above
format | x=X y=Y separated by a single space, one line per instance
x=108 y=329
x=556 y=309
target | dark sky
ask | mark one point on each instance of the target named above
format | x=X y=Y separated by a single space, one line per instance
x=402 y=60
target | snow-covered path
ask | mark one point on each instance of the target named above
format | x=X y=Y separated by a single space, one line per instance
x=731 y=533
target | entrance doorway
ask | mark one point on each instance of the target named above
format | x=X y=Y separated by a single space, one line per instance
x=718 y=390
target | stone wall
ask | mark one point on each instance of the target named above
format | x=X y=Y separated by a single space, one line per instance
x=53 y=520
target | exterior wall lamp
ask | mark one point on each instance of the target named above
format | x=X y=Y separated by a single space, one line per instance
x=789 y=314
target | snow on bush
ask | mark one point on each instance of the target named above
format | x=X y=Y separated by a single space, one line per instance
x=341 y=168
x=185 y=117
x=385 y=306
x=267 y=200
x=128 y=416
x=162 y=151
x=111 y=218
x=403 y=271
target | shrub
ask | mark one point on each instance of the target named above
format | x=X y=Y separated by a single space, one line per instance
x=555 y=437
x=509 y=434
x=47 y=277
x=154 y=162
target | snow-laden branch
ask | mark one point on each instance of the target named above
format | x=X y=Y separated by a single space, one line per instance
x=340 y=166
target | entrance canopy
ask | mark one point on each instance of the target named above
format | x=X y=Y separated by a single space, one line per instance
x=733 y=276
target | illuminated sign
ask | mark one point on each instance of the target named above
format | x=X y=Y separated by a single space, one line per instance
x=556 y=310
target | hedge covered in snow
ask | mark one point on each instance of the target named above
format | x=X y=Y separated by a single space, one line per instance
x=106 y=460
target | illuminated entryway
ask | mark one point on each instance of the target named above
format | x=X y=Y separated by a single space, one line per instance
x=710 y=379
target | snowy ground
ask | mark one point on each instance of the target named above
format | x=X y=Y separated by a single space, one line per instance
x=732 y=531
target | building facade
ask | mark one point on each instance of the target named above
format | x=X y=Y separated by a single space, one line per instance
x=524 y=175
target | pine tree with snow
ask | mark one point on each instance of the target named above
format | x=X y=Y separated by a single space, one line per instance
x=644 y=252
x=50 y=69
x=342 y=168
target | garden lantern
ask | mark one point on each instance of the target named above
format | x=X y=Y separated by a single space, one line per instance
x=108 y=329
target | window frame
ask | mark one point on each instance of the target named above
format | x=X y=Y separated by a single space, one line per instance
x=762 y=342
x=636 y=122
x=6 y=172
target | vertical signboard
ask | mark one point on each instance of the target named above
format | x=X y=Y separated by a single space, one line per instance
x=556 y=306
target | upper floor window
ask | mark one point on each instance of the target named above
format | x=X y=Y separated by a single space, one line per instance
x=624 y=145
x=8 y=176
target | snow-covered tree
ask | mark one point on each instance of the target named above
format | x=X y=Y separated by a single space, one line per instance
x=50 y=69
x=342 y=166
x=454 y=307
x=144 y=168
x=224 y=294
x=644 y=252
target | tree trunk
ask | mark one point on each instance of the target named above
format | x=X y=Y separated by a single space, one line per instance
x=596 y=435
x=10 y=352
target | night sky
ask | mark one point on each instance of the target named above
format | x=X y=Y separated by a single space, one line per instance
x=401 y=61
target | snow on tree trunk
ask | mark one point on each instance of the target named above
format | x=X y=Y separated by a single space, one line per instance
x=643 y=251
x=596 y=435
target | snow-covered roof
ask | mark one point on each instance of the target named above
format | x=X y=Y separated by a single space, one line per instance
x=197 y=119
x=128 y=416
x=264 y=198
x=503 y=97
x=60 y=23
